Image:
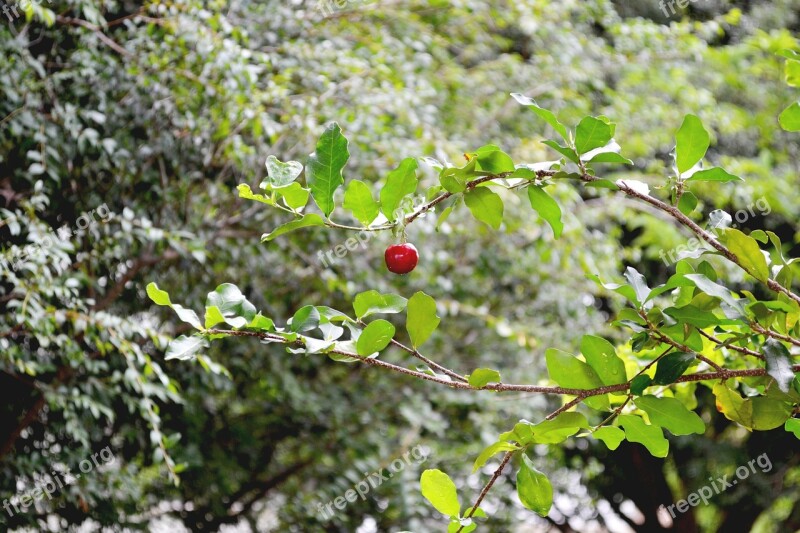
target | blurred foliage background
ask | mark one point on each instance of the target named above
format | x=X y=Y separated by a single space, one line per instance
x=157 y=110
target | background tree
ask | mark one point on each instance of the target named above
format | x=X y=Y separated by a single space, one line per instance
x=160 y=111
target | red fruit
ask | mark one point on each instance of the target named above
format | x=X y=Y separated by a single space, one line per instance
x=401 y=258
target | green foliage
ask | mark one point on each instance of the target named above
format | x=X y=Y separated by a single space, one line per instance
x=167 y=130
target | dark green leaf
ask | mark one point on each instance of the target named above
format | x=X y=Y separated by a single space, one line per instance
x=671 y=367
x=324 y=169
x=640 y=383
x=779 y=364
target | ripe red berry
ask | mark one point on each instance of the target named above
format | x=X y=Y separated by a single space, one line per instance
x=401 y=258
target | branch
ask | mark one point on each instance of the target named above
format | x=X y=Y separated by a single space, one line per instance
x=733 y=347
x=506 y=458
x=697 y=230
x=499 y=387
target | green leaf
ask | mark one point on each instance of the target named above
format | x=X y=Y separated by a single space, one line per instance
x=213 y=317
x=652 y=437
x=294 y=195
x=748 y=252
x=733 y=406
x=792 y=72
x=311 y=219
x=280 y=174
x=305 y=319
x=544 y=114
x=185 y=348
x=610 y=435
x=547 y=208
x=790 y=117
x=158 y=296
x=566 y=151
x=485 y=205
x=375 y=337
x=560 y=428
x=687 y=203
x=779 y=364
x=714 y=289
x=592 y=133
x=454 y=179
x=483 y=376
x=572 y=373
x=372 y=302
x=247 y=193
x=232 y=305
x=421 y=319
x=695 y=316
x=793 y=426
x=439 y=489
x=491 y=451
x=359 y=201
x=324 y=169
x=610 y=157
x=640 y=383
x=533 y=488
x=713 y=174
x=493 y=160
x=692 y=141
x=639 y=284
x=602 y=357
x=400 y=182
x=671 y=367
x=671 y=414
x=769 y=413
x=261 y=323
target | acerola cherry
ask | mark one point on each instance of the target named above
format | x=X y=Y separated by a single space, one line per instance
x=401 y=258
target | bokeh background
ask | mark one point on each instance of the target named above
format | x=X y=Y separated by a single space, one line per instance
x=156 y=111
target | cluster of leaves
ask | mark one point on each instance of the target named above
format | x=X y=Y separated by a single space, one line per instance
x=691 y=321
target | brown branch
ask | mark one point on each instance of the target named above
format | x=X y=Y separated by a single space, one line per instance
x=500 y=387
x=697 y=230
x=774 y=334
x=506 y=458
x=733 y=347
